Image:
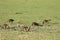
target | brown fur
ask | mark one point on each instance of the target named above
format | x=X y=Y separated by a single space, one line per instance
x=26 y=28
x=11 y=20
x=35 y=24
x=46 y=21
x=20 y=25
x=0 y=25
x=5 y=26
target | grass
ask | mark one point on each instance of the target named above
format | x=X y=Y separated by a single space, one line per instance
x=30 y=11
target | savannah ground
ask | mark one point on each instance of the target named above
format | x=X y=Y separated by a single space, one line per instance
x=30 y=11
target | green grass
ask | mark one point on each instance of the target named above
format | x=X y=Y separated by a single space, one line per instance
x=32 y=10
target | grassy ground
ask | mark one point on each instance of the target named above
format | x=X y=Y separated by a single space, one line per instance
x=30 y=11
